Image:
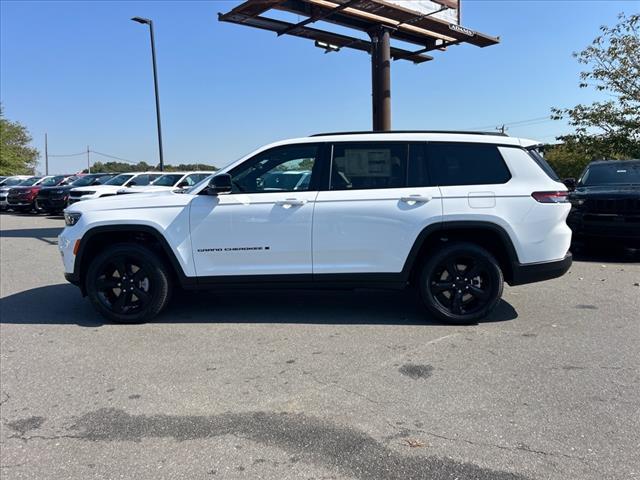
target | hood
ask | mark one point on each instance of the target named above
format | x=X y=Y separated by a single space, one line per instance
x=21 y=189
x=59 y=187
x=98 y=188
x=138 y=201
x=146 y=189
x=607 y=191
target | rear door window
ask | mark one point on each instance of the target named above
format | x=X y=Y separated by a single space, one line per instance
x=368 y=165
x=466 y=164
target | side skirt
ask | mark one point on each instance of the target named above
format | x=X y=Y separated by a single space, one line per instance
x=328 y=281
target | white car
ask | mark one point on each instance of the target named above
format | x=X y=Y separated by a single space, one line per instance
x=112 y=186
x=169 y=181
x=454 y=214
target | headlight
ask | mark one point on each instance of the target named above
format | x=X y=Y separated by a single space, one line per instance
x=71 y=218
x=576 y=202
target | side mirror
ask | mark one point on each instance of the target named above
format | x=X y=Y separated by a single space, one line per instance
x=182 y=184
x=221 y=183
x=570 y=183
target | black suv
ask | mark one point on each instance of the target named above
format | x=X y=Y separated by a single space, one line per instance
x=606 y=202
x=55 y=199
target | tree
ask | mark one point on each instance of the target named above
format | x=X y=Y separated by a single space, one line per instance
x=122 y=167
x=606 y=129
x=16 y=156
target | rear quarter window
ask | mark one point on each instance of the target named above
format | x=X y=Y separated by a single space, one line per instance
x=543 y=164
x=466 y=164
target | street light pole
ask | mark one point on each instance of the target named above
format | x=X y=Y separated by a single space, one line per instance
x=149 y=22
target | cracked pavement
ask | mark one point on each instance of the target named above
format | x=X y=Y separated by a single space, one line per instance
x=322 y=385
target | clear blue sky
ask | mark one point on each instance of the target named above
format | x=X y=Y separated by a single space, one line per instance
x=81 y=72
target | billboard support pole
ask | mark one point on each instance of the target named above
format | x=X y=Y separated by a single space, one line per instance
x=381 y=78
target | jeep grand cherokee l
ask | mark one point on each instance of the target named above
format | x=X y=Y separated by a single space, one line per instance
x=453 y=214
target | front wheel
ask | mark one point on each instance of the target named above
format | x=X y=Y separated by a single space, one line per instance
x=128 y=283
x=461 y=283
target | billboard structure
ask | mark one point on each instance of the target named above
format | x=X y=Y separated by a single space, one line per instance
x=432 y=25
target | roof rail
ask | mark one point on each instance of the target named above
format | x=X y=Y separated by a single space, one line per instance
x=369 y=132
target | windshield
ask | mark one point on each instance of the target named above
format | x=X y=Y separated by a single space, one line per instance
x=52 y=181
x=119 y=180
x=167 y=180
x=29 y=181
x=10 y=182
x=611 y=174
x=86 y=180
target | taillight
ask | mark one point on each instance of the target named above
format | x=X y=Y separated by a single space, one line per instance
x=551 y=197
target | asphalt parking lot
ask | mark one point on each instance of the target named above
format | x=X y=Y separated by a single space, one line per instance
x=317 y=385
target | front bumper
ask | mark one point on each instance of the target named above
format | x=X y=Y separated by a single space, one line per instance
x=536 y=272
x=609 y=226
x=19 y=203
x=51 y=204
x=73 y=200
x=66 y=245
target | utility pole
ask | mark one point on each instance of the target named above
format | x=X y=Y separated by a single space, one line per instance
x=381 y=78
x=46 y=156
x=88 y=161
x=502 y=129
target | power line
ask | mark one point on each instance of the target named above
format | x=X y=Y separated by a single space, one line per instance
x=519 y=123
x=113 y=156
x=69 y=155
x=87 y=151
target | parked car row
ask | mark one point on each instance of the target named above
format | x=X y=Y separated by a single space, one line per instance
x=53 y=193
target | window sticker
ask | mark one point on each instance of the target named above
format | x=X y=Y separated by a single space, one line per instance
x=366 y=163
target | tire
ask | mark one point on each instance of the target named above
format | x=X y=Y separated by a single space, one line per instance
x=473 y=297
x=149 y=283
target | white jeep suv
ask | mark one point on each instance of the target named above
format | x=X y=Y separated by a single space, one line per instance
x=168 y=181
x=453 y=214
x=112 y=186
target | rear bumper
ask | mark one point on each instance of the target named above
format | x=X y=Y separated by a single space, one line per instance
x=536 y=272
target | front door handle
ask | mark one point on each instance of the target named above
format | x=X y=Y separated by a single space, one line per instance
x=290 y=202
x=416 y=199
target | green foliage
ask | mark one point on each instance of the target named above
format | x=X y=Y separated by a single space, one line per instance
x=122 y=167
x=608 y=129
x=187 y=167
x=16 y=156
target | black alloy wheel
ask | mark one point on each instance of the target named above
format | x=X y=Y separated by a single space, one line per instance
x=461 y=283
x=128 y=283
x=123 y=285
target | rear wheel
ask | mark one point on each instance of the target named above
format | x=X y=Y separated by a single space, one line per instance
x=128 y=283
x=461 y=283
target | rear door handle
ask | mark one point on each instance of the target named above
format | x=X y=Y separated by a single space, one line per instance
x=416 y=199
x=290 y=202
